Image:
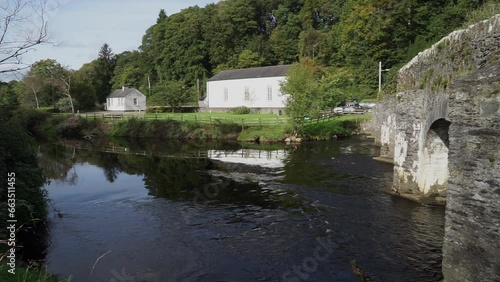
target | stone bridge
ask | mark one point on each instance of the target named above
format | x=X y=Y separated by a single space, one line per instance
x=442 y=132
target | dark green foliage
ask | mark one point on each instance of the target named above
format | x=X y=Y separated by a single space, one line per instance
x=103 y=69
x=17 y=156
x=334 y=128
x=171 y=129
x=241 y=110
x=8 y=95
x=31 y=120
x=72 y=127
x=171 y=93
x=196 y=43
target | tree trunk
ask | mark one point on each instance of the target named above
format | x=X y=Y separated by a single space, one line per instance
x=72 y=107
x=36 y=100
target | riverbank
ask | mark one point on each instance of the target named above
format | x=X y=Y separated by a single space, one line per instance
x=27 y=274
x=44 y=125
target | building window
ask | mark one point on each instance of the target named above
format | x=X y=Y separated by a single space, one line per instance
x=247 y=94
x=269 y=93
x=136 y=102
x=226 y=94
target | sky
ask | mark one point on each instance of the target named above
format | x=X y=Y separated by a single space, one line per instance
x=79 y=28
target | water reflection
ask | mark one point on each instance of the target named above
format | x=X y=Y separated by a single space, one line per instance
x=170 y=173
x=231 y=212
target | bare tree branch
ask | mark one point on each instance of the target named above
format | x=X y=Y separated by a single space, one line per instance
x=23 y=26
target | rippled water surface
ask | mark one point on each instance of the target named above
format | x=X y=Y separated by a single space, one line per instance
x=171 y=212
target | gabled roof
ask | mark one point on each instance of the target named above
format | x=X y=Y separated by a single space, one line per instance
x=272 y=71
x=123 y=92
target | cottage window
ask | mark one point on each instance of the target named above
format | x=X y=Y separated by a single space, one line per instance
x=226 y=94
x=136 y=102
x=269 y=93
x=247 y=94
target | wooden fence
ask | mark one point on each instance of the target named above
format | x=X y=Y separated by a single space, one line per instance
x=245 y=121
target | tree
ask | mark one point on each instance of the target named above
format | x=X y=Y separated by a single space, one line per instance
x=309 y=43
x=171 y=93
x=35 y=85
x=284 y=39
x=46 y=72
x=8 y=95
x=305 y=96
x=248 y=59
x=65 y=85
x=104 y=69
x=129 y=71
x=82 y=91
x=66 y=104
x=14 y=40
x=59 y=77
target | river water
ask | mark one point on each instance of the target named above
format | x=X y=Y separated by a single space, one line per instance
x=128 y=211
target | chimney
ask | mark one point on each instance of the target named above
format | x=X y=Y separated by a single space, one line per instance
x=123 y=88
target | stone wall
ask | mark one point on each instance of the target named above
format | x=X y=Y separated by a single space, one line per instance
x=460 y=53
x=442 y=131
x=471 y=250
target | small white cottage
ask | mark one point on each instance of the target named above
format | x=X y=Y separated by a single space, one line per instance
x=126 y=99
x=256 y=88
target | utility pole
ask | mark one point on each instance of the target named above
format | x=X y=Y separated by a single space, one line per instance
x=380 y=70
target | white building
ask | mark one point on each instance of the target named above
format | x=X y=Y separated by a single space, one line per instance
x=256 y=88
x=126 y=99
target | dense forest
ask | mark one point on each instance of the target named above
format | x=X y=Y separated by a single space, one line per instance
x=342 y=39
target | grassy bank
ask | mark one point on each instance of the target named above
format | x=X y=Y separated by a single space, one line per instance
x=339 y=127
x=26 y=274
x=199 y=126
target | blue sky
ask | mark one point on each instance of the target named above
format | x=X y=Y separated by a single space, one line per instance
x=79 y=28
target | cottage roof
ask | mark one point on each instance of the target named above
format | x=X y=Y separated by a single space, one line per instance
x=123 y=92
x=271 y=71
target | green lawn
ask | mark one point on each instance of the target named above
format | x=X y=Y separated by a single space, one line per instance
x=247 y=120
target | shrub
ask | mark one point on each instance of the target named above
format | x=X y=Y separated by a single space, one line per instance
x=32 y=120
x=241 y=110
x=16 y=156
x=64 y=104
x=72 y=127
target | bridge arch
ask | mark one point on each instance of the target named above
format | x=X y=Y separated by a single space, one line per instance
x=432 y=177
x=442 y=131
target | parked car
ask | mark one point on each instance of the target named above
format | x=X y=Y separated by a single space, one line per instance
x=338 y=110
x=353 y=108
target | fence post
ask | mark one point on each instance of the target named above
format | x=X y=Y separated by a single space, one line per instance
x=156 y=116
x=182 y=117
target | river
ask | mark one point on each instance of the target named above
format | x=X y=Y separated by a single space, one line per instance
x=149 y=211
